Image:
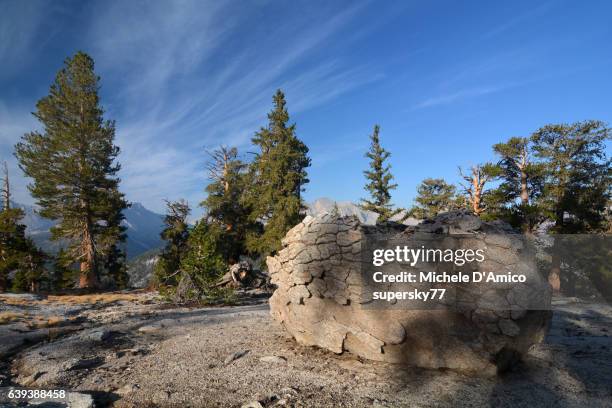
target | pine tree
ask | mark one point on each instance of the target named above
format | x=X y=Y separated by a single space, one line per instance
x=434 y=197
x=224 y=204
x=176 y=235
x=379 y=177
x=116 y=266
x=8 y=228
x=72 y=163
x=18 y=253
x=111 y=243
x=64 y=275
x=277 y=177
x=577 y=180
x=203 y=261
x=475 y=186
x=31 y=272
x=12 y=243
x=521 y=184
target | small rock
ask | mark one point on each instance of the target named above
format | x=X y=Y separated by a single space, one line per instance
x=30 y=380
x=168 y=322
x=80 y=400
x=96 y=335
x=289 y=392
x=73 y=400
x=235 y=356
x=149 y=328
x=351 y=364
x=273 y=359
x=137 y=351
x=252 y=404
x=86 y=363
x=126 y=389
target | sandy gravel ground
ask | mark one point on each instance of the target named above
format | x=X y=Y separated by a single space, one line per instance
x=137 y=353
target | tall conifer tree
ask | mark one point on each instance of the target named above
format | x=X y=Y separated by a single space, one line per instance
x=13 y=243
x=224 y=204
x=577 y=180
x=379 y=180
x=515 y=199
x=18 y=254
x=176 y=235
x=277 y=177
x=73 y=164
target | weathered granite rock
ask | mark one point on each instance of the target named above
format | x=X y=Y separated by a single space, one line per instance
x=321 y=297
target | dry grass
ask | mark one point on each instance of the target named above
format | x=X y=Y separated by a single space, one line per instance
x=42 y=322
x=34 y=322
x=93 y=298
x=73 y=299
x=14 y=301
x=7 y=317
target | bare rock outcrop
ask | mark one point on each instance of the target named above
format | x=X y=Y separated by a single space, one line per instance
x=323 y=295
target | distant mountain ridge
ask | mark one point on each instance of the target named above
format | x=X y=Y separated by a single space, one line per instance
x=143 y=229
x=141 y=268
x=345 y=208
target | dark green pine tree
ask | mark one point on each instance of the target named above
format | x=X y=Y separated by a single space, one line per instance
x=112 y=243
x=31 y=272
x=577 y=181
x=73 y=163
x=18 y=254
x=277 y=177
x=379 y=181
x=176 y=235
x=116 y=266
x=434 y=197
x=515 y=199
x=203 y=262
x=65 y=276
x=224 y=204
x=12 y=243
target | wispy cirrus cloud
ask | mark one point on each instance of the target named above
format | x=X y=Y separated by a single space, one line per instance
x=460 y=95
x=473 y=78
x=19 y=25
x=14 y=122
x=522 y=18
x=193 y=74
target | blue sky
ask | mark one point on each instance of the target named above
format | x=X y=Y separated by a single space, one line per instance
x=445 y=81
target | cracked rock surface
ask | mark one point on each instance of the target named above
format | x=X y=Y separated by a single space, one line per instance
x=482 y=328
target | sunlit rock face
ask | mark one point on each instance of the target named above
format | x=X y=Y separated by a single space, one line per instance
x=323 y=296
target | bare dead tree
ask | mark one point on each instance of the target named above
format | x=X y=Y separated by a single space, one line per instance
x=474 y=186
x=6 y=192
x=522 y=166
x=218 y=166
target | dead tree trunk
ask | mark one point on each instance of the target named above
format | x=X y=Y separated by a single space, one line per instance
x=6 y=191
x=554 y=274
x=475 y=188
x=522 y=166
